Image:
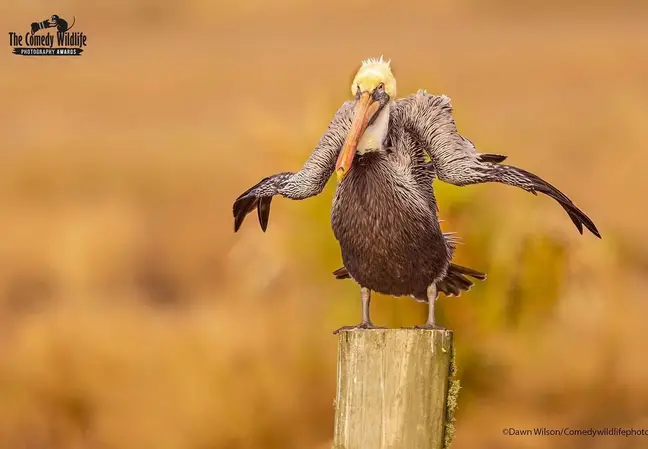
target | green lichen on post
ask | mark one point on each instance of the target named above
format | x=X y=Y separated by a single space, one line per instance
x=452 y=368
x=451 y=401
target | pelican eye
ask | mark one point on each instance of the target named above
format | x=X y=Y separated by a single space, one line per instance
x=379 y=92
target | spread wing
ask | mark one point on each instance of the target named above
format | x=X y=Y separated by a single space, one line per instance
x=307 y=182
x=455 y=160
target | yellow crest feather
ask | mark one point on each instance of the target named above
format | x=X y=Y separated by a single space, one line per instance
x=372 y=72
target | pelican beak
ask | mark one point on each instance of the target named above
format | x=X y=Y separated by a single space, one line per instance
x=366 y=108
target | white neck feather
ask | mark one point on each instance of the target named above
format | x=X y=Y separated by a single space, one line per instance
x=373 y=137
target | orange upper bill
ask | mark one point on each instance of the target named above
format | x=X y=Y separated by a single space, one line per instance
x=365 y=109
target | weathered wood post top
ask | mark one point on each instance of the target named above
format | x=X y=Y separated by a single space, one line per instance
x=395 y=389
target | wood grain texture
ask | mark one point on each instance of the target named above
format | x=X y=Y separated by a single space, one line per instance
x=392 y=388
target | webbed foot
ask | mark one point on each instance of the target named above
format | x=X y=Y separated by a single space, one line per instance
x=363 y=325
x=430 y=326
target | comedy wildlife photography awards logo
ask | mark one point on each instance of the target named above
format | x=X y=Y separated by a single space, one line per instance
x=49 y=37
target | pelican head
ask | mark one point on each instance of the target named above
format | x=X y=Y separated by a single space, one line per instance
x=373 y=87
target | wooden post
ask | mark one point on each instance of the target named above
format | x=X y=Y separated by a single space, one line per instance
x=395 y=389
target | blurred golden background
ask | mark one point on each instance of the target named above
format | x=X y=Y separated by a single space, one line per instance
x=131 y=315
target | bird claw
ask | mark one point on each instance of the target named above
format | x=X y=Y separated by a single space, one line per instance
x=364 y=325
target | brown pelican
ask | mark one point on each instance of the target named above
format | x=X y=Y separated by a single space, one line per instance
x=384 y=211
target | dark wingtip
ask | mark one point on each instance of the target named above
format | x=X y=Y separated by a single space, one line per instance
x=263 y=212
x=589 y=224
x=493 y=158
x=591 y=227
x=242 y=207
x=238 y=220
x=577 y=221
x=577 y=216
x=580 y=219
x=594 y=231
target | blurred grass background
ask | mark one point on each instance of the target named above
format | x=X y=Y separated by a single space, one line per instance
x=132 y=317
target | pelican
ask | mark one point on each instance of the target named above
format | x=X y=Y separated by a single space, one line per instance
x=384 y=212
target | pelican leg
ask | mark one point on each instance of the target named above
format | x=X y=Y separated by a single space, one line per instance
x=432 y=295
x=365 y=295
